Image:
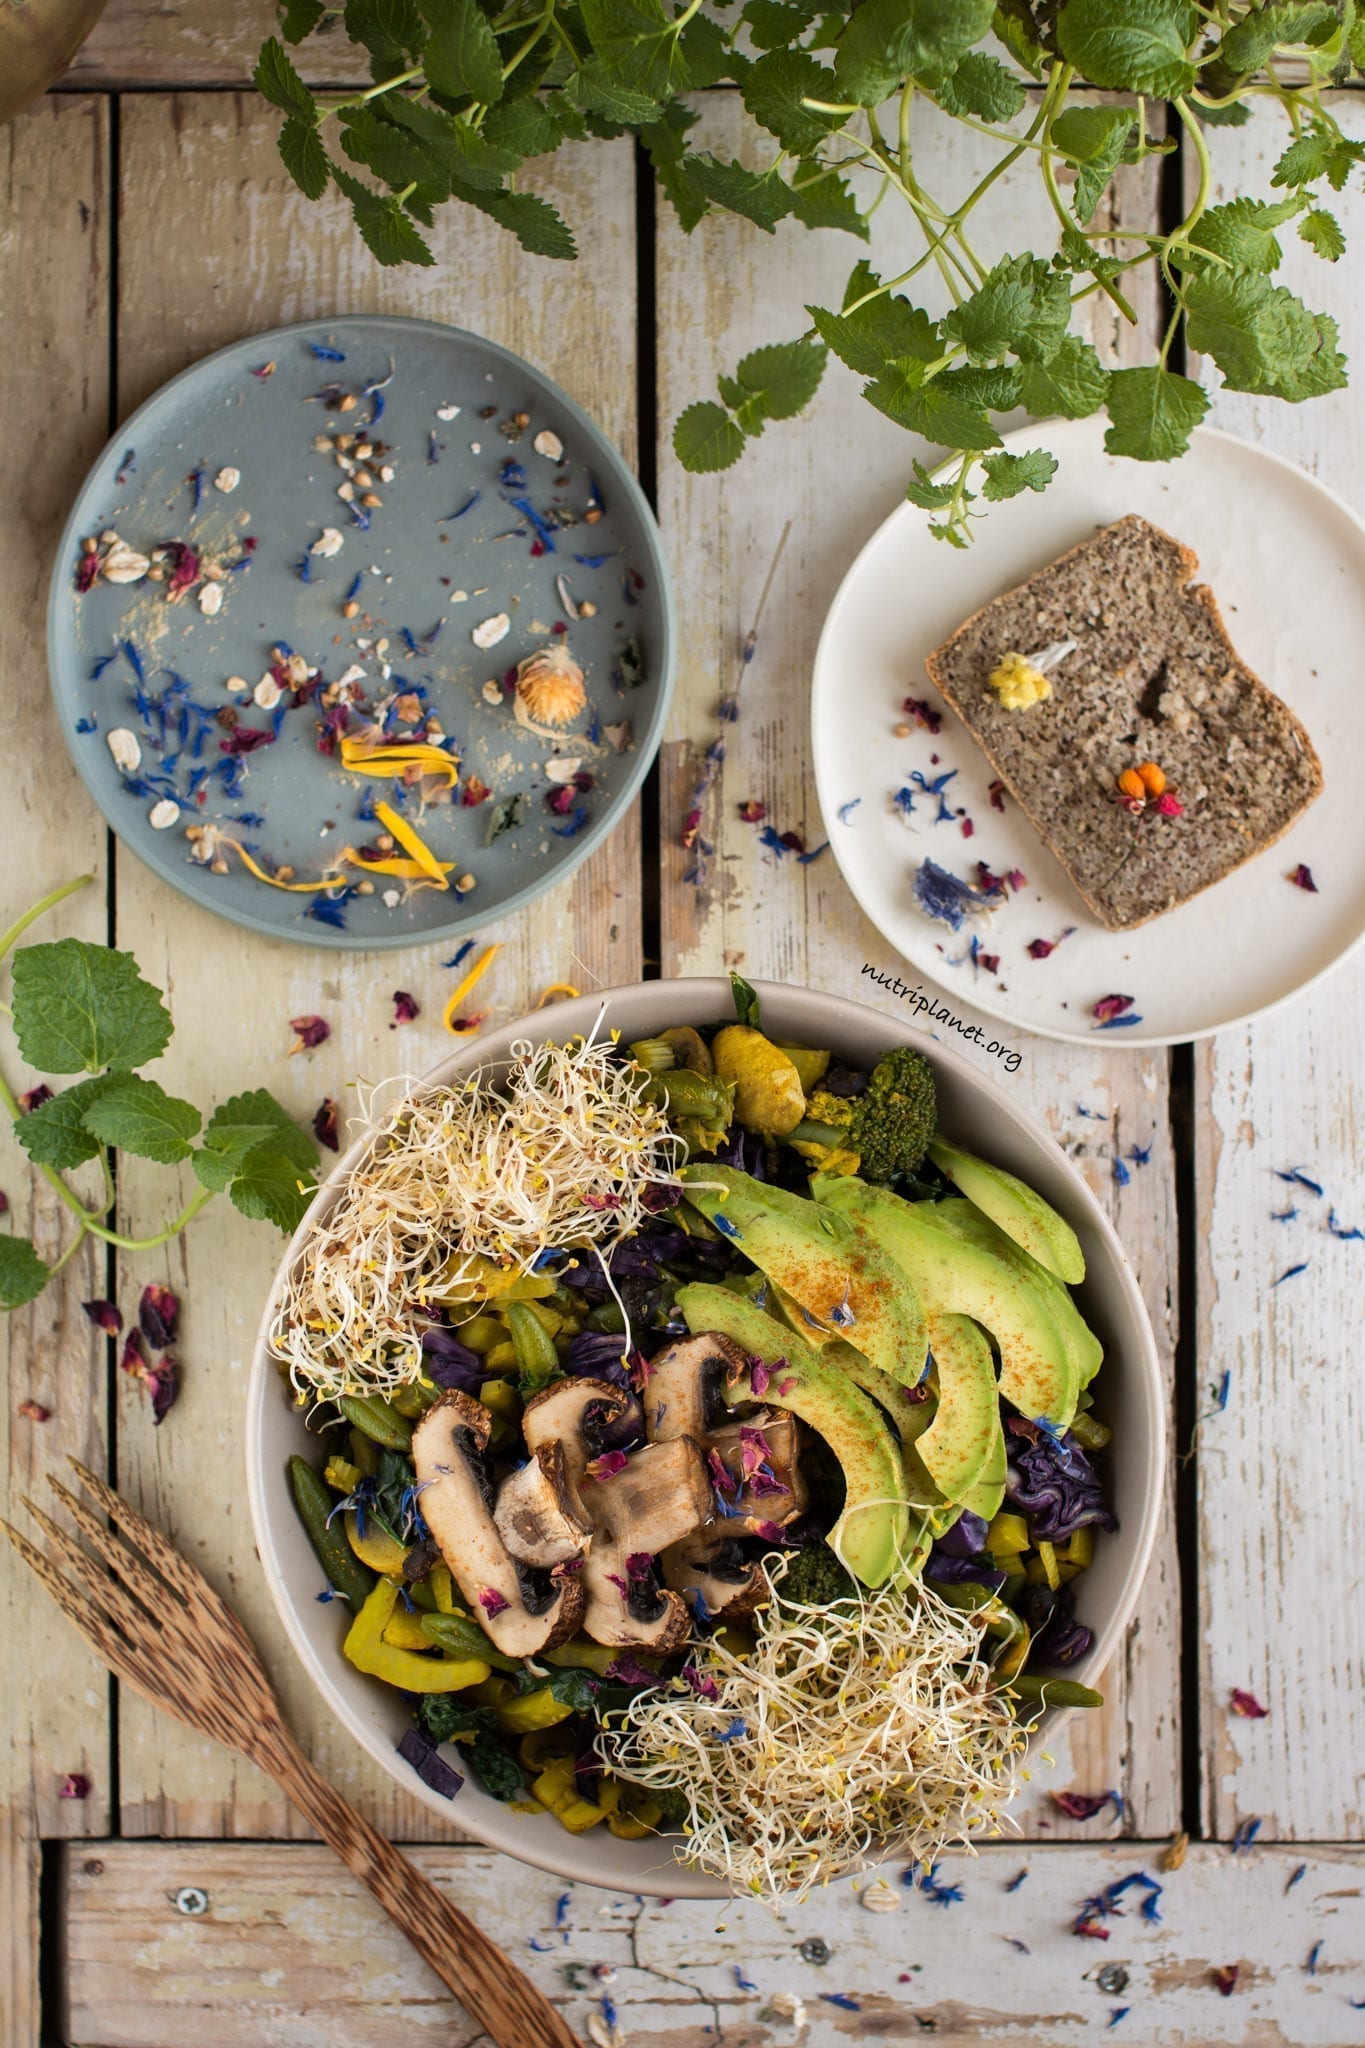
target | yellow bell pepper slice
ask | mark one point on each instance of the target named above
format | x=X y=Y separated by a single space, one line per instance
x=502 y=1398
x=438 y=1578
x=532 y=1710
x=541 y=1747
x=342 y=1476
x=366 y=1648
x=1007 y=1535
x=555 y=1789
x=404 y=1630
x=376 y=1547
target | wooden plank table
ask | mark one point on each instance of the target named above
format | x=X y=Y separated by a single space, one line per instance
x=148 y=221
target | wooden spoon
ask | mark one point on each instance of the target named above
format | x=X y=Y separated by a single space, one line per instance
x=160 y=1627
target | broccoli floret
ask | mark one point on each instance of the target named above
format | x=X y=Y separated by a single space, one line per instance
x=674 y=1802
x=815 y=1576
x=883 y=1132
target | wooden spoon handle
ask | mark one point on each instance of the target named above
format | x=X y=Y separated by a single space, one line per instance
x=487 y=1983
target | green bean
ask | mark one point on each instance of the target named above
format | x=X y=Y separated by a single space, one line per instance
x=1054 y=1692
x=363 y=1452
x=537 y=1359
x=458 y=1633
x=314 y=1503
x=379 y=1422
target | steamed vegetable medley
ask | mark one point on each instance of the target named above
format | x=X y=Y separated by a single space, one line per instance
x=706 y=1447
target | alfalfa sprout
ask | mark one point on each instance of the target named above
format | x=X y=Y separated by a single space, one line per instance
x=858 y=1730
x=461 y=1185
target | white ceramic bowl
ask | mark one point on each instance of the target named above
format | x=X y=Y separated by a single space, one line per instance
x=975 y=1111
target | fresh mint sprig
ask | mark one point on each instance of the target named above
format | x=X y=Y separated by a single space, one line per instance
x=83 y=1009
x=469 y=96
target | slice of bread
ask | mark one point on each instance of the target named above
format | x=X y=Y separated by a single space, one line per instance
x=1154 y=677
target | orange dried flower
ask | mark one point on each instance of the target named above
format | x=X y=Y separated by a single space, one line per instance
x=1132 y=785
x=1153 y=779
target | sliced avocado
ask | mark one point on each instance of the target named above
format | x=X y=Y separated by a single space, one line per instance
x=985 y=1497
x=836 y=1272
x=966 y=1421
x=872 y=1533
x=1015 y=1208
x=954 y=1275
x=965 y=1220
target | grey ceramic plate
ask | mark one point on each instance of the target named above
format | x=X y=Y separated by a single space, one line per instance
x=287 y=801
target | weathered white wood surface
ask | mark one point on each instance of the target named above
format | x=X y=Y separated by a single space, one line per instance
x=835 y=475
x=54 y=168
x=233 y=995
x=290 y=1952
x=1278 y=1469
x=159 y=42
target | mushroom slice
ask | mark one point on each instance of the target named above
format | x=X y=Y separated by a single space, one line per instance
x=713 y=1575
x=536 y=1515
x=658 y=1497
x=760 y=1455
x=573 y=1414
x=522 y=1612
x=683 y=1393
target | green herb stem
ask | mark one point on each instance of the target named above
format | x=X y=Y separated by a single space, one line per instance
x=40 y=909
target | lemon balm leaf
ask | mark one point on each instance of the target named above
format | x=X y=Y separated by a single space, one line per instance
x=56 y=1134
x=255 y=1109
x=23 y=1275
x=139 y=1116
x=269 y=1187
x=80 y=1008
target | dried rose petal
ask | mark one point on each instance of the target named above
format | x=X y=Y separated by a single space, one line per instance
x=163 y=1384
x=34 y=1098
x=607 y=1465
x=968 y=829
x=691 y=827
x=75 y=1785
x=405 y=1008
x=702 y=1684
x=1226 y=1978
x=1016 y=878
x=87 y=569
x=1247 y=1705
x=325 y=1124
x=1081 y=1805
x=989 y=961
x=1089 y=1926
x=639 y=1565
x=792 y=841
x=133 y=1359
x=759 y=1376
x=4 y=1203
x=1109 y=1007
x=923 y=714
x=768 y=1532
x=34 y=1411
x=1169 y=805
x=474 y=792
x=1302 y=878
x=996 y=793
x=492 y=1601
x=560 y=801
x=158 y=1315
x=753 y=812
x=308 y=1032
x=244 y=739
x=722 y=1478
x=184 y=561
x=105 y=1316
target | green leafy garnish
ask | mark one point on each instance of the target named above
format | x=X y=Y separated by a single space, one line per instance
x=80 y=1008
x=468 y=98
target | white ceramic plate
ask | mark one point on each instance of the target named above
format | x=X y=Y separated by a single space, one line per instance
x=973 y=1110
x=1287 y=561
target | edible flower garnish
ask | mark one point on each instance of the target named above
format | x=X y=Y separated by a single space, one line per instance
x=1020 y=680
x=451 y=1015
x=1247 y=1705
x=1302 y=878
x=414 y=844
x=158 y=1315
x=943 y=895
x=405 y=1008
x=394 y=763
x=1145 y=788
x=308 y=1032
x=105 y=1316
x=325 y=1124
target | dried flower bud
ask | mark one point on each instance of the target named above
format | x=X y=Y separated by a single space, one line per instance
x=550 y=686
x=1132 y=785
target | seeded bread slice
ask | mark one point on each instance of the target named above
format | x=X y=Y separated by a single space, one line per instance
x=1154 y=677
